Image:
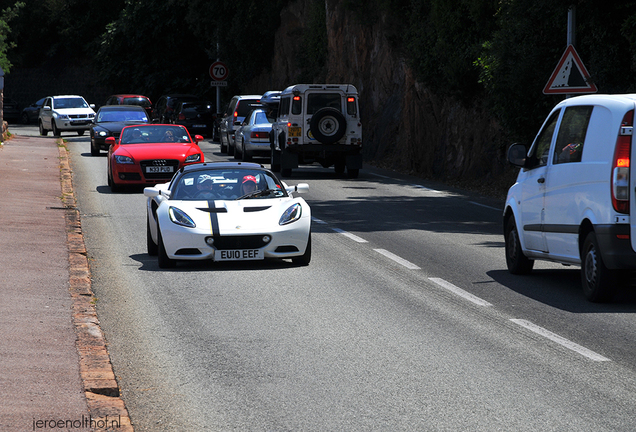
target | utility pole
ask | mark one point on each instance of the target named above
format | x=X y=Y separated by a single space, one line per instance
x=571 y=31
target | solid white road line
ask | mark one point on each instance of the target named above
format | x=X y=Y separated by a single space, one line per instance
x=351 y=236
x=487 y=206
x=425 y=188
x=560 y=340
x=397 y=259
x=460 y=292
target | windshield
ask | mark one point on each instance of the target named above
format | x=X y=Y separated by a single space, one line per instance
x=261 y=118
x=121 y=116
x=226 y=184
x=154 y=134
x=137 y=101
x=70 y=102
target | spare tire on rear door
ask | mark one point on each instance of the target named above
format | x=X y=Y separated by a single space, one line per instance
x=328 y=125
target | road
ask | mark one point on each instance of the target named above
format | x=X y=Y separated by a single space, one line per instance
x=406 y=319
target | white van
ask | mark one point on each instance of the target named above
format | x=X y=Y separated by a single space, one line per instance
x=572 y=200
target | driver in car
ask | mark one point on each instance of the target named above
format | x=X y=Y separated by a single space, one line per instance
x=205 y=188
x=249 y=184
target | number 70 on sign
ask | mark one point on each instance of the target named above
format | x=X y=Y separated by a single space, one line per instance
x=218 y=71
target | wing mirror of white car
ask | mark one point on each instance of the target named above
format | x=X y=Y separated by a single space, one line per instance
x=151 y=192
x=300 y=188
x=517 y=155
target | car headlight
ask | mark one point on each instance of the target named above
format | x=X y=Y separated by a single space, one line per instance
x=193 y=158
x=292 y=214
x=124 y=159
x=102 y=133
x=60 y=116
x=179 y=217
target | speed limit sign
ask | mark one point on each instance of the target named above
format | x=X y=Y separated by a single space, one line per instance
x=218 y=71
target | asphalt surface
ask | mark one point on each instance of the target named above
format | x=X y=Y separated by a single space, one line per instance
x=55 y=372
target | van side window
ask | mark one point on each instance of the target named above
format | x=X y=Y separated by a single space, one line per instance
x=541 y=147
x=571 y=136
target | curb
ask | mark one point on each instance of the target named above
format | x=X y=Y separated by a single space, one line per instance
x=96 y=372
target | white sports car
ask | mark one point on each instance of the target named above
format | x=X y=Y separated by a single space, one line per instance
x=227 y=212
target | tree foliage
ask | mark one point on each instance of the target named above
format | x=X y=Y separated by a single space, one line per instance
x=6 y=16
x=497 y=54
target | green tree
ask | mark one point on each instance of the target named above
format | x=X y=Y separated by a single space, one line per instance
x=6 y=16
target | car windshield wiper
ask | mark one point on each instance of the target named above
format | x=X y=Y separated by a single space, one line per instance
x=259 y=193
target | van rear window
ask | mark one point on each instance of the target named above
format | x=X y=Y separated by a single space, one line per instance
x=315 y=101
x=572 y=132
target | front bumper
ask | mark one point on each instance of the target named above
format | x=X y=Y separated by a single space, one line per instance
x=184 y=243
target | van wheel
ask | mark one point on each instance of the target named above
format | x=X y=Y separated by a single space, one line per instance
x=274 y=166
x=353 y=173
x=516 y=261
x=598 y=281
x=56 y=131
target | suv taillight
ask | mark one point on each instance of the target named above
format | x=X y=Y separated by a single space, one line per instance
x=620 y=166
x=182 y=116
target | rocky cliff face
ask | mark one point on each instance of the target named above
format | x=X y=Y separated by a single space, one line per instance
x=405 y=125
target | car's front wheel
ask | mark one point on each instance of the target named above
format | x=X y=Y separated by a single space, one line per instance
x=162 y=257
x=56 y=131
x=43 y=132
x=80 y=132
x=305 y=258
x=245 y=155
x=598 y=281
x=94 y=148
x=153 y=249
x=516 y=261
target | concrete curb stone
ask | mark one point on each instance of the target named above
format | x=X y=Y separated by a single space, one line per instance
x=102 y=392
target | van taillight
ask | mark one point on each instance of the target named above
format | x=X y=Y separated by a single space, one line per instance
x=620 y=166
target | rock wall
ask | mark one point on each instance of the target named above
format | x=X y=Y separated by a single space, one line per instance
x=405 y=125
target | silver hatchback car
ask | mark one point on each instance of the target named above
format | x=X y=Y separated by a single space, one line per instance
x=253 y=136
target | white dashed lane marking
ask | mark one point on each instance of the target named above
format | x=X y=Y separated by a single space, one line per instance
x=560 y=340
x=397 y=259
x=460 y=292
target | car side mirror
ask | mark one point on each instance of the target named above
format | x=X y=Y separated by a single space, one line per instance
x=46 y=108
x=517 y=155
x=110 y=141
x=198 y=138
x=300 y=188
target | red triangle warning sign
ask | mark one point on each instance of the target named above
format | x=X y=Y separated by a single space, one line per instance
x=570 y=76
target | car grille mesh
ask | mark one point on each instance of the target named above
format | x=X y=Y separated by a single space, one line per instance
x=239 y=242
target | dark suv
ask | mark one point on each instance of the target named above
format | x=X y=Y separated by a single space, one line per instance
x=164 y=108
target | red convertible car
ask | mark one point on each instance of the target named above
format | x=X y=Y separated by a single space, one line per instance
x=150 y=154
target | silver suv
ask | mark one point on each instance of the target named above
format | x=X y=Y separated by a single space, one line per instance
x=317 y=123
x=65 y=113
x=239 y=107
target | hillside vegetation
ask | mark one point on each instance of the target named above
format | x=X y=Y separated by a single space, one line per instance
x=447 y=84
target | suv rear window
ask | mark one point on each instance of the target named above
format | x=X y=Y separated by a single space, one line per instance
x=244 y=106
x=316 y=101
